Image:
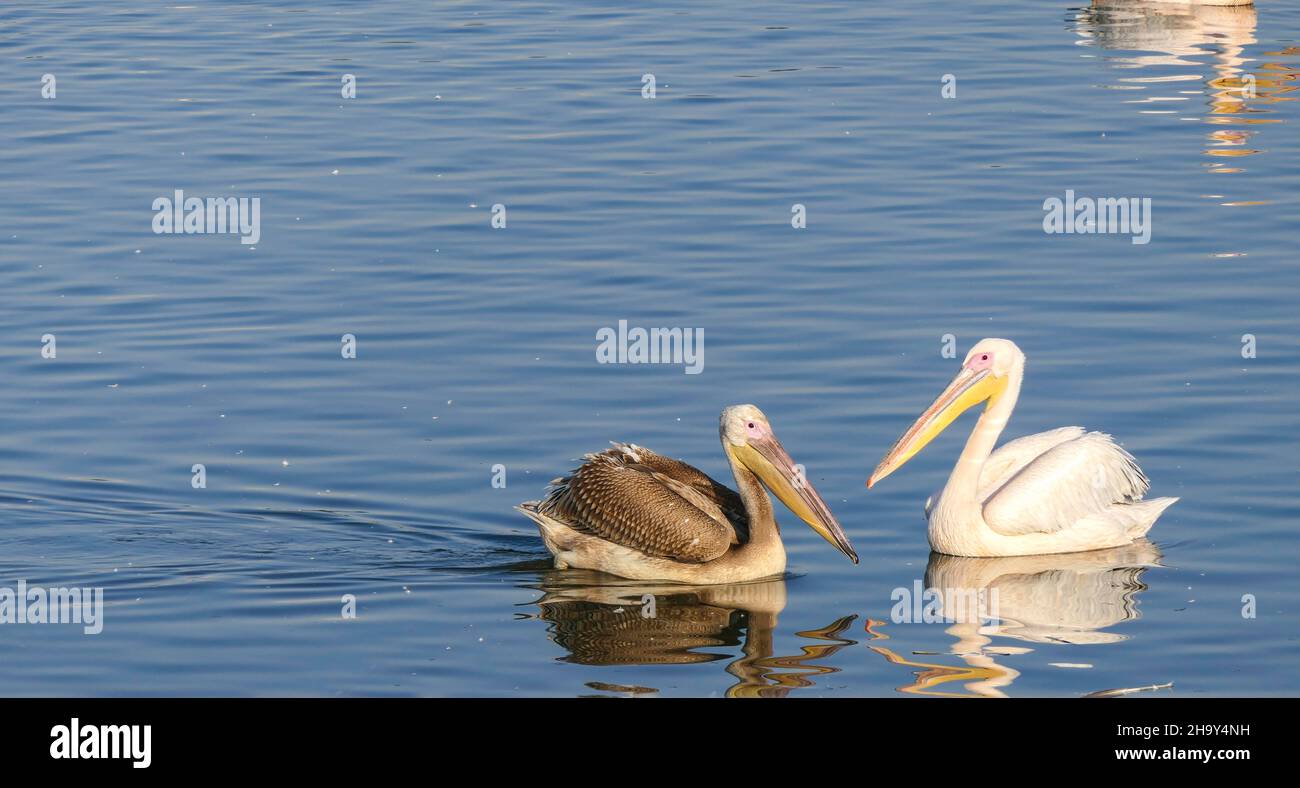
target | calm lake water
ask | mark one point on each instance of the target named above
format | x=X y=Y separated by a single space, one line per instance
x=373 y=476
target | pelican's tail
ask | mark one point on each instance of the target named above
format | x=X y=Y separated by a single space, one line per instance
x=555 y=534
x=1141 y=515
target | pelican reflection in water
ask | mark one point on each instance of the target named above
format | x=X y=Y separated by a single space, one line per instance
x=1054 y=492
x=604 y=624
x=634 y=513
x=1070 y=598
x=1192 y=37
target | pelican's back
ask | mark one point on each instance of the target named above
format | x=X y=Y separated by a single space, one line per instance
x=632 y=498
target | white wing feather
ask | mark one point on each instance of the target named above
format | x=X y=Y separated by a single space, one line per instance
x=1010 y=457
x=1014 y=455
x=1076 y=479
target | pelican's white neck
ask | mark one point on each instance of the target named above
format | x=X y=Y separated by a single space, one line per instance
x=964 y=481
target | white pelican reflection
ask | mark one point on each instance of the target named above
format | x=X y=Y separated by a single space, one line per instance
x=1178 y=51
x=1069 y=598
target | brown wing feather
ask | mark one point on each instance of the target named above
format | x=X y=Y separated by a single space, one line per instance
x=636 y=498
x=710 y=495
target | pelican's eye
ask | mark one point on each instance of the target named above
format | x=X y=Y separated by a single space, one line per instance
x=751 y=425
x=982 y=361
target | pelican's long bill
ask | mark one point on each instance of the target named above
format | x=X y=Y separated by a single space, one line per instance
x=968 y=389
x=768 y=459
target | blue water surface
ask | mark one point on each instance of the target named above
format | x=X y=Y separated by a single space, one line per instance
x=373 y=477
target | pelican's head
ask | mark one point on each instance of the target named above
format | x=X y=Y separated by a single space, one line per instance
x=748 y=440
x=983 y=377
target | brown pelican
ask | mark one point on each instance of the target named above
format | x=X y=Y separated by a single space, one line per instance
x=636 y=514
x=1055 y=492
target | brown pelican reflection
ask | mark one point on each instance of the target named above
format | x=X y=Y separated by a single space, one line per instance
x=599 y=623
x=1184 y=36
x=1069 y=598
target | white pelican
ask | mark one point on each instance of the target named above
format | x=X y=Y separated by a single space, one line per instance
x=636 y=514
x=1055 y=492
